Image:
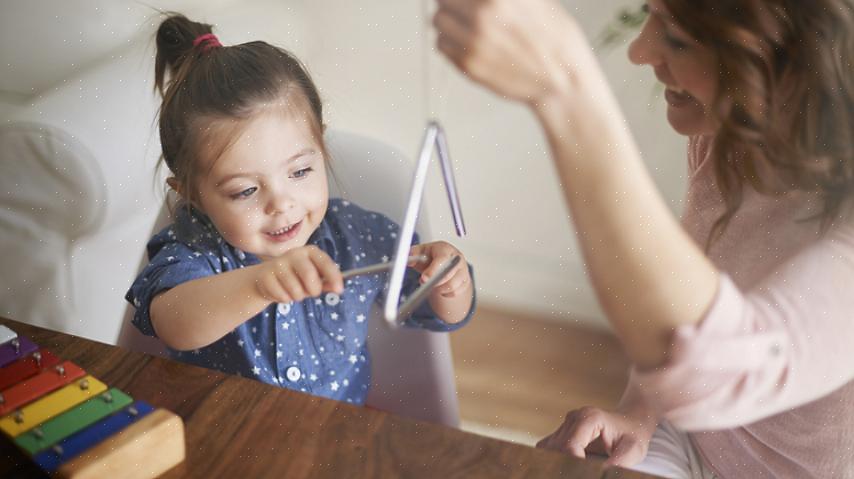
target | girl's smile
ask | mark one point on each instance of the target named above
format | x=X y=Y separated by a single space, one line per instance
x=286 y=233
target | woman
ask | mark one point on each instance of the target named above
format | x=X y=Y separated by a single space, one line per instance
x=738 y=320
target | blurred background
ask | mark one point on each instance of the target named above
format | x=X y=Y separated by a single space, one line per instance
x=79 y=191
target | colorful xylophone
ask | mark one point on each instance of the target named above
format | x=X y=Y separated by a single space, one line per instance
x=72 y=425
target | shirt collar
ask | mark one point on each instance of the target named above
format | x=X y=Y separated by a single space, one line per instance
x=324 y=238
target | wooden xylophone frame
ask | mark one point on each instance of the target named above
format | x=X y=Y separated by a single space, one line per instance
x=71 y=425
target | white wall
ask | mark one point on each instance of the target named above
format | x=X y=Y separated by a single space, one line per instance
x=376 y=68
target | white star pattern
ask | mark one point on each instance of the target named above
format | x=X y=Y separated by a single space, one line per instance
x=331 y=334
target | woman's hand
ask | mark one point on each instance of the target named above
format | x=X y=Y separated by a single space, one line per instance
x=624 y=437
x=303 y=272
x=455 y=282
x=527 y=50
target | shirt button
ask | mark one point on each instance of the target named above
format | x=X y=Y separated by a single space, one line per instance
x=284 y=308
x=293 y=373
x=332 y=299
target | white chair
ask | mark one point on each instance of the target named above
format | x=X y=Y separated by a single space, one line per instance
x=412 y=370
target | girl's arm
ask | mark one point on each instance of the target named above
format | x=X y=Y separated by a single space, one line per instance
x=648 y=274
x=201 y=311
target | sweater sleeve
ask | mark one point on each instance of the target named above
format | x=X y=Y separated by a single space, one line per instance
x=783 y=343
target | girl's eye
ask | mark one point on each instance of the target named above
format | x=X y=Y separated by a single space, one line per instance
x=302 y=173
x=245 y=193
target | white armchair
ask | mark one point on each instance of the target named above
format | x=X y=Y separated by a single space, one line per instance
x=412 y=369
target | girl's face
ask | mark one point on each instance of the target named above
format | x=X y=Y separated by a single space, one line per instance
x=267 y=193
x=686 y=68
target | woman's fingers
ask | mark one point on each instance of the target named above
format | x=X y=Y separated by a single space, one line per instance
x=626 y=452
x=453 y=34
x=578 y=430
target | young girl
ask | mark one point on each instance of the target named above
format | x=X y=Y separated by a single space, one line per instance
x=739 y=320
x=247 y=280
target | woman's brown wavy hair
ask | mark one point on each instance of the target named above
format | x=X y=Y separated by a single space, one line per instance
x=785 y=96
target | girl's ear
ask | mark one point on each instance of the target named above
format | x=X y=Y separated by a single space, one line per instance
x=176 y=186
x=179 y=188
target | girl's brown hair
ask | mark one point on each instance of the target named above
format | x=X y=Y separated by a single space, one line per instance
x=785 y=96
x=203 y=82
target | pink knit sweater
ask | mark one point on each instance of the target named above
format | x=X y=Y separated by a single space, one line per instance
x=765 y=381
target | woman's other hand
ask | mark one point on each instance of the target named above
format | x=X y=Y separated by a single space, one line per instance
x=624 y=437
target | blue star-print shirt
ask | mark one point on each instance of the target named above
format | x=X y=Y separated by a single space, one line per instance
x=315 y=346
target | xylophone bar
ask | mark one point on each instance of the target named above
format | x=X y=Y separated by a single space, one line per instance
x=26 y=367
x=39 y=385
x=51 y=405
x=15 y=349
x=72 y=427
x=73 y=420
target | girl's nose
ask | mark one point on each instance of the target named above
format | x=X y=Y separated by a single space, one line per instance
x=279 y=202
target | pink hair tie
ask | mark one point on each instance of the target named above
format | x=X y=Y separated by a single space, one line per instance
x=208 y=41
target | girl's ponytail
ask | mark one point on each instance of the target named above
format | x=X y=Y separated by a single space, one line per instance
x=175 y=46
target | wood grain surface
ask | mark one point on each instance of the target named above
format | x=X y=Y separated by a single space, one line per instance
x=241 y=428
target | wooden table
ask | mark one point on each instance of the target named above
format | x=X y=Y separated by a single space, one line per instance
x=241 y=428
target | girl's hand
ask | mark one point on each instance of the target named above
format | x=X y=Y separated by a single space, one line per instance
x=526 y=50
x=456 y=281
x=303 y=272
x=623 y=437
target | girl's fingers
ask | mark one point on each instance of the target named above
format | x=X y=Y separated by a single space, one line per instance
x=455 y=283
x=273 y=291
x=290 y=282
x=437 y=263
x=418 y=250
x=329 y=272
x=309 y=277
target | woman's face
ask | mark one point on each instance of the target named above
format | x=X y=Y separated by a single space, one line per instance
x=687 y=69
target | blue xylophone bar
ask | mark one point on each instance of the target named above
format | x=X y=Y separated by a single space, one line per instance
x=67 y=449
